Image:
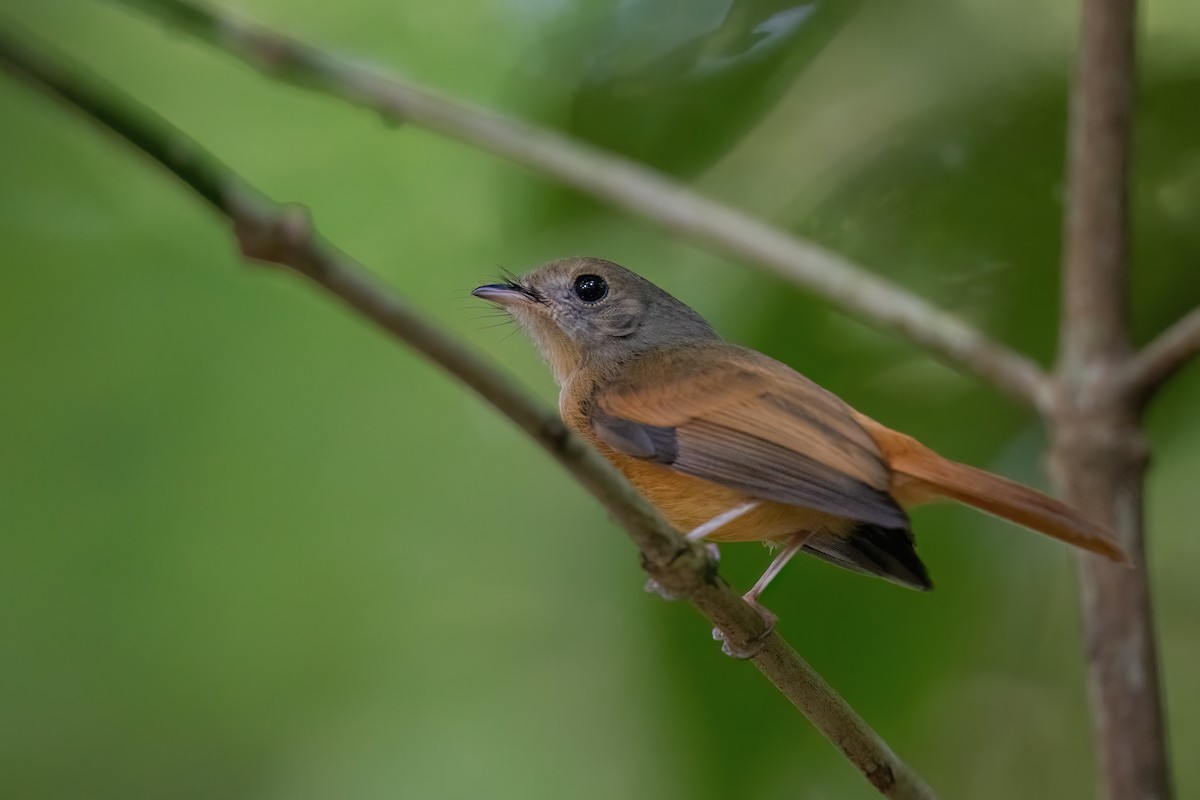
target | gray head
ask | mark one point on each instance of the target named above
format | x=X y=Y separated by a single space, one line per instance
x=587 y=312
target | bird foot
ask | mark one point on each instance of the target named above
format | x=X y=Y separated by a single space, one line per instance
x=755 y=644
x=654 y=587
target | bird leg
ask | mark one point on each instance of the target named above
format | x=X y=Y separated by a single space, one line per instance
x=793 y=545
x=698 y=533
x=720 y=520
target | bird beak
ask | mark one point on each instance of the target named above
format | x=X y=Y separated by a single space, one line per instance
x=502 y=294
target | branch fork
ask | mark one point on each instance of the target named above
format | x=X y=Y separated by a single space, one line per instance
x=1174 y=348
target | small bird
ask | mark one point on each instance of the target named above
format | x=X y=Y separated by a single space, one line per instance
x=731 y=445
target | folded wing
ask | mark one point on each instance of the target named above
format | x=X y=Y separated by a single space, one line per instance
x=743 y=420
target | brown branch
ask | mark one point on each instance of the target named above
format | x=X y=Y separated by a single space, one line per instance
x=1163 y=357
x=283 y=235
x=625 y=184
x=1100 y=453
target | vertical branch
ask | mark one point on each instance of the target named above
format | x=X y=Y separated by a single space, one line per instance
x=1095 y=321
x=1100 y=455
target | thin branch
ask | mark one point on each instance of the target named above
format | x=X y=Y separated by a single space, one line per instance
x=627 y=185
x=1164 y=356
x=268 y=232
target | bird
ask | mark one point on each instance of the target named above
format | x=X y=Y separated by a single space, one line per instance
x=731 y=445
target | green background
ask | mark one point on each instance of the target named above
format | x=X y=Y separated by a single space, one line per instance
x=251 y=548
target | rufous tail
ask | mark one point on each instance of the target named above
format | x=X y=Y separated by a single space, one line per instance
x=922 y=475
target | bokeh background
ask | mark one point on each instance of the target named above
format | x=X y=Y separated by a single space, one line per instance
x=250 y=548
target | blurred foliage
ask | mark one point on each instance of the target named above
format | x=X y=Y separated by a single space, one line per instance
x=253 y=549
x=656 y=72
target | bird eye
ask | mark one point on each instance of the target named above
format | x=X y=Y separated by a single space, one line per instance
x=590 y=288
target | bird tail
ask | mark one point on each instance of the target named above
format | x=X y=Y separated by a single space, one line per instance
x=923 y=475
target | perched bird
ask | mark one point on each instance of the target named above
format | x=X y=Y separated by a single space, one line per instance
x=732 y=446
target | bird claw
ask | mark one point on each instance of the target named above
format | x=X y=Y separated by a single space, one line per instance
x=755 y=644
x=654 y=587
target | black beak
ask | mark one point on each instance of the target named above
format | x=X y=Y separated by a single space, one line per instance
x=503 y=294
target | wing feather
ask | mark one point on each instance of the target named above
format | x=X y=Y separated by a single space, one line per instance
x=740 y=419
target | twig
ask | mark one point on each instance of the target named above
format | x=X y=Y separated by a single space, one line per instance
x=625 y=184
x=1100 y=454
x=1164 y=356
x=282 y=235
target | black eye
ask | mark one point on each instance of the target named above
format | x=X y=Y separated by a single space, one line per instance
x=590 y=288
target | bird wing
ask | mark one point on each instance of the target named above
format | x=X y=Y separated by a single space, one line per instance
x=738 y=418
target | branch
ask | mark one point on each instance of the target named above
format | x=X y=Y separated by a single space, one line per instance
x=627 y=185
x=1163 y=357
x=1100 y=452
x=268 y=232
x=1095 y=320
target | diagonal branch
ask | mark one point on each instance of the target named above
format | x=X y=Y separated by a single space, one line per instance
x=1164 y=356
x=268 y=232
x=627 y=185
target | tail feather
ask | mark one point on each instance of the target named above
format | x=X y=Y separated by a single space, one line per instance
x=924 y=475
x=889 y=553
